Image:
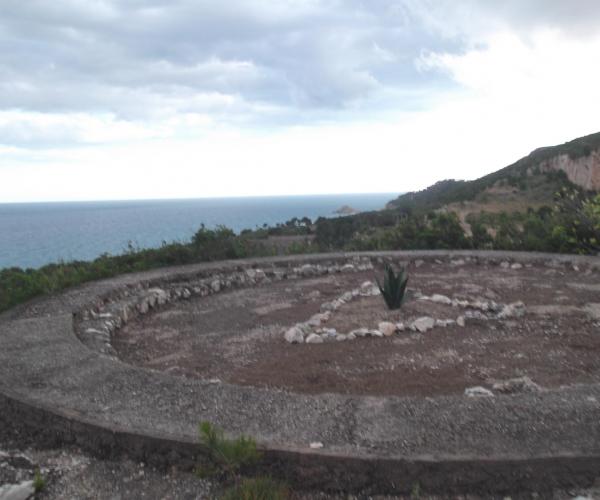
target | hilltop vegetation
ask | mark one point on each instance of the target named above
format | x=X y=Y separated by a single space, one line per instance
x=523 y=178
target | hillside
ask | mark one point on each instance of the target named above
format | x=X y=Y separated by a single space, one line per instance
x=529 y=182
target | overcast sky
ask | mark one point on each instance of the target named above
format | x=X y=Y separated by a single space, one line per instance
x=126 y=99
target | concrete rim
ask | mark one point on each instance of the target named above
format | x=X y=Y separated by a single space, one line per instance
x=380 y=444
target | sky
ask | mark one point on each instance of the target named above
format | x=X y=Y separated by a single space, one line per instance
x=142 y=99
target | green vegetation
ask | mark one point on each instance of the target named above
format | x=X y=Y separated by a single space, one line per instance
x=226 y=456
x=18 y=285
x=523 y=175
x=394 y=287
x=260 y=488
x=39 y=483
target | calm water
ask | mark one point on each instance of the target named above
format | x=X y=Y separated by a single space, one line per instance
x=34 y=234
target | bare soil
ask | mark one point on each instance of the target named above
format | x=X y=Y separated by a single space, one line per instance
x=237 y=336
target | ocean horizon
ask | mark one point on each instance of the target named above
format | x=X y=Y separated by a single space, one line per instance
x=39 y=233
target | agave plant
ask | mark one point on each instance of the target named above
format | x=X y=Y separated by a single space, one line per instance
x=394 y=287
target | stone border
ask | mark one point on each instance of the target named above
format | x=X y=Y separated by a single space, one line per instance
x=50 y=380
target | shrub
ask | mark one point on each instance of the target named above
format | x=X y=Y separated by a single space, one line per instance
x=39 y=483
x=394 y=287
x=226 y=455
x=260 y=488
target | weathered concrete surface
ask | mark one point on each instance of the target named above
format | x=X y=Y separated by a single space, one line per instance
x=49 y=379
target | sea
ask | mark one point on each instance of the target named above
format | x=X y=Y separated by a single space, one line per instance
x=35 y=234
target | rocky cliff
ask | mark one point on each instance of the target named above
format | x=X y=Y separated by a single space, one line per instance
x=583 y=171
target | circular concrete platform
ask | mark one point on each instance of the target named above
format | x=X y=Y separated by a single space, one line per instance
x=54 y=377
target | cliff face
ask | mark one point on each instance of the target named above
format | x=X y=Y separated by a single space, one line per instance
x=583 y=171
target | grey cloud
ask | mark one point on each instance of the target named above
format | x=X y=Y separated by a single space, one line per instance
x=242 y=61
x=88 y=56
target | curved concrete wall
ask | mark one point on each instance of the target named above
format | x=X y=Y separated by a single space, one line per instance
x=50 y=379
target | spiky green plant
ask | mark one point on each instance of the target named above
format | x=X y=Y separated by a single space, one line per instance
x=394 y=287
x=226 y=455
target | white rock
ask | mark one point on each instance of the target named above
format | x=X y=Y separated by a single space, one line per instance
x=520 y=384
x=457 y=262
x=359 y=332
x=307 y=270
x=400 y=327
x=366 y=286
x=440 y=299
x=317 y=445
x=340 y=337
x=516 y=309
x=216 y=286
x=348 y=268
x=478 y=391
x=460 y=321
x=328 y=306
x=304 y=328
x=375 y=333
x=347 y=297
x=294 y=335
x=419 y=263
x=162 y=297
x=504 y=265
x=422 y=324
x=21 y=491
x=350 y=336
x=316 y=319
x=388 y=329
x=516 y=265
x=313 y=338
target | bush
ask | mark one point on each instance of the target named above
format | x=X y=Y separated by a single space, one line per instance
x=226 y=456
x=260 y=488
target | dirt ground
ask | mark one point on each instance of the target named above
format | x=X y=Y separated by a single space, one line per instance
x=237 y=336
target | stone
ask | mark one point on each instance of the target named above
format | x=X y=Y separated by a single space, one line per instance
x=316 y=445
x=419 y=262
x=444 y=322
x=294 y=335
x=366 y=286
x=478 y=391
x=313 y=338
x=346 y=297
x=216 y=285
x=457 y=262
x=359 y=332
x=460 y=321
x=21 y=491
x=422 y=324
x=440 y=299
x=516 y=265
x=340 y=337
x=307 y=270
x=514 y=310
x=387 y=328
x=400 y=327
x=162 y=297
x=348 y=268
x=328 y=306
x=374 y=333
x=504 y=265
x=519 y=384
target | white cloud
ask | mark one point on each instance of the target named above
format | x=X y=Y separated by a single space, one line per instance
x=140 y=100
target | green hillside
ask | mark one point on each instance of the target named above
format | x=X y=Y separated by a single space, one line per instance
x=522 y=180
